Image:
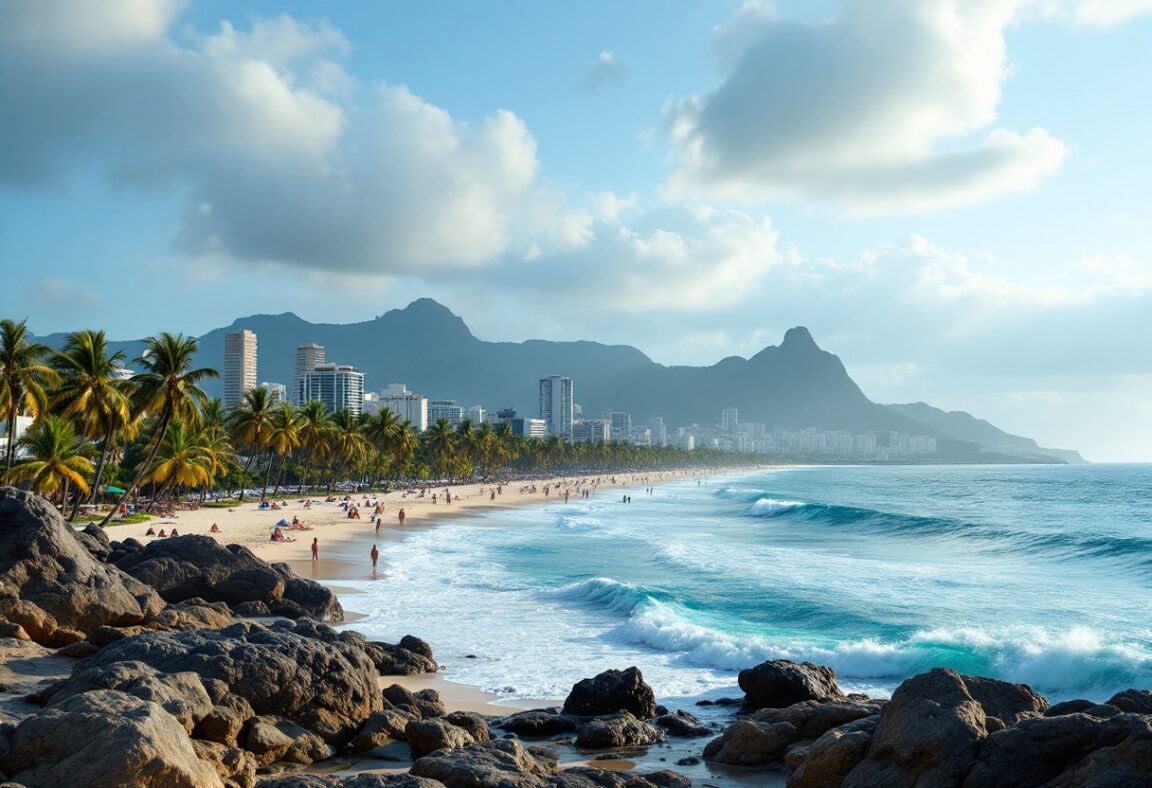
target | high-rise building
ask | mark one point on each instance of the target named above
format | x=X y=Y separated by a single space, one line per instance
x=476 y=415
x=556 y=405
x=239 y=366
x=592 y=431
x=659 y=431
x=308 y=357
x=407 y=406
x=338 y=386
x=621 y=422
x=445 y=409
x=729 y=419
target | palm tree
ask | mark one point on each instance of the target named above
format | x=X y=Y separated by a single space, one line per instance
x=184 y=460
x=347 y=441
x=251 y=423
x=441 y=443
x=382 y=431
x=315 y=433
x=54 y=459
x=169 y=388
x=405 y=448
x=91 y=394
x=283 y=439
x=487 y=448
x=23 y=376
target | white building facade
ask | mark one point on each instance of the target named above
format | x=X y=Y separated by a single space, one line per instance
x=338 y=386
x=556 y=405
x=239 y=366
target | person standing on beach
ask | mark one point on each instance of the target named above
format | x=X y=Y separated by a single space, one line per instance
x=315 y=549
x=401 y=516
x=375 y=556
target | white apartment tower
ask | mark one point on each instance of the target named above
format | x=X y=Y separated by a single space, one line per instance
x=239 y=367
x=338 y=386
x=728 y=419
x=556 y=405
x=308 y=357
x=407 y=406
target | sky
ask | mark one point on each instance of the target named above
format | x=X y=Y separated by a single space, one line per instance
x=952 y=195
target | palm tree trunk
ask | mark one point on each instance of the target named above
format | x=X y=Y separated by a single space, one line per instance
x=10 y=449
x=244 y=475
x=267 y=475
x=157 y=439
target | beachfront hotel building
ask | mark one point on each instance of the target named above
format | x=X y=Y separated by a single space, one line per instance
x=407 y=406
x=239 y=367
x=592 y=431
x=556 y=405
x=338 y=386
x=658 y=430
x=729 y=418
x=445 y=409
x=308 y=357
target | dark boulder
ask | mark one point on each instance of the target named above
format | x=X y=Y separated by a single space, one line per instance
x=681 y=723
x=185 y=567
x=51 y=585
x=930 y=732
x=587 y=777
x=355 y=781
x=1132 y=700
x=95 y=539
x=812 y=719
x=539 y=723
x=750 y=743
x=272 y=739
x=779 y=683
x=832 y=757
x=301 y=671
x=501 y=763
x=621 y=729
x=612 y=691
x=397 y=660
x=427 y=736
x=381 y=729
x=423 y=705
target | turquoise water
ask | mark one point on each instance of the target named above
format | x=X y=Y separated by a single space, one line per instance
x=1039 y=574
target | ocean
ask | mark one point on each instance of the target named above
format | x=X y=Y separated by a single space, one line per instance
x=1034 y=574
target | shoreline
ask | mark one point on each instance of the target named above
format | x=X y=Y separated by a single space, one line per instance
x=342 y=539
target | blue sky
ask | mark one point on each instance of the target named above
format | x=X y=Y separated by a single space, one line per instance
x=951 y=194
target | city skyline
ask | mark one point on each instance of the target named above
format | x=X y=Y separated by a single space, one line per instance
x=912 y=182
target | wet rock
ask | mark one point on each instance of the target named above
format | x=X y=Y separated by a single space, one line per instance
x=396 y=660
x=355 y=781
x=110 y=738
x=750 y=743
x=502 y=763
x=929 y=732
x=587 y=777
x=252 y=609
x=1133 y=701
x=186 y=567
x=539 y=723
x=780 y=683
x=811 y=719
x=681 y=723
x=617 y=730
x=51 y=585
x=476 y=725
x=427 y=736
x=1082 y=707
x=612 y=691
x=832 y=757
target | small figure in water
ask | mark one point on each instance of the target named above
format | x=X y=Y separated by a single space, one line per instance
x=315 y=549
x=375 y=556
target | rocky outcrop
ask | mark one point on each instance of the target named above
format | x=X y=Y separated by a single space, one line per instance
x=302 y=671
x=930 y=732
x=681 y=723
x=273 y=739
x=410 y=657
x=504 y=762
x=356 y=781
x=192 y=614
x=610 y=692
x=186 y=567
x=539 y=723
x=51 y=585
x=106 y=739
x=621 y=729
x=832 y=757
x=427 y=736
x=587 y=777
x=780 y=683
x=381 y=729
x=234 y=766
x=424 y=704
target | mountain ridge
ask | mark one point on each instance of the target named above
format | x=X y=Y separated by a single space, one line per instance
x=426 y=346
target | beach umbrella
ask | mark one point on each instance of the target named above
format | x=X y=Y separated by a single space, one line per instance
x=113 y=490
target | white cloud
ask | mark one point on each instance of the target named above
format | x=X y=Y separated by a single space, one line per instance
x=875 y=111
x=1110 y=13
x=281 y=155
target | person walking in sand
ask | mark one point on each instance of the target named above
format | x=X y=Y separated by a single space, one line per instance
x=375 y=556
x=401 y=516
x=315 y=548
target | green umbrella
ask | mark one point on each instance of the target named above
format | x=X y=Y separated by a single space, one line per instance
x=113 y=490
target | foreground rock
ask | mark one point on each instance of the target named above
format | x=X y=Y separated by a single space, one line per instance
x=302 y=671
x=610 y=692
x=186 y=567
x=51 y=585
x=779 y=683
x=105 y=739
x=410 y=657
x=539 y=723
x=504 y=762
x=617 y=730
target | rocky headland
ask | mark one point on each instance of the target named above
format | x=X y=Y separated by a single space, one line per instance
x=187 y=663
